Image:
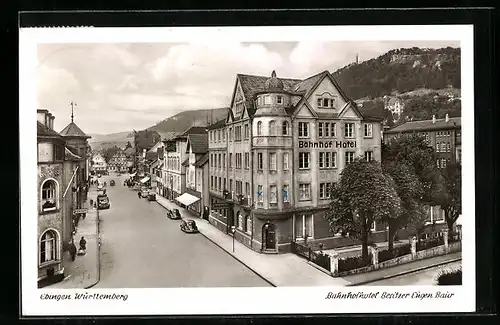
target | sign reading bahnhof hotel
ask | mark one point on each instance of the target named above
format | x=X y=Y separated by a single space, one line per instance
x=327 y=144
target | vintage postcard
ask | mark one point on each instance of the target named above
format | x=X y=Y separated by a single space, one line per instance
x=248 y=170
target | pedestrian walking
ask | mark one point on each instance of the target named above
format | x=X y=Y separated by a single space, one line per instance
x=139 y=195
x=72 y=250
x=83 y=243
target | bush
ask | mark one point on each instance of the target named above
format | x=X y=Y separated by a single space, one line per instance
x=352 y=263
x=453 y=277
x=396 y=252
x=429 y=243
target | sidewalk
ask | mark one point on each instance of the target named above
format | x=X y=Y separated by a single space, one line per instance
x=280 y=270
x=83 y=272
x=363 y=278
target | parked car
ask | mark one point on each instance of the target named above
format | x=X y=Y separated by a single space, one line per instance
x=151 y=196
x=103 y=202
x=188 y=226
x=144 y=192
x=112 y=182
x=100 y=187
x=172 y=215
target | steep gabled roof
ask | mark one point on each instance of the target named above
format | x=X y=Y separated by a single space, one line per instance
x=427 y=125
x=72 y=130
x=217 y=125
x=198 y=143
x=43 y=131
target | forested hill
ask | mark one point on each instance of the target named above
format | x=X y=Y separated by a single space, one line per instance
x=400 y=71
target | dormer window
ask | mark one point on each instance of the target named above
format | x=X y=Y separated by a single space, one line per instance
x=326 y=102
x=279 y=100
x=267 y=100
x=259 y=101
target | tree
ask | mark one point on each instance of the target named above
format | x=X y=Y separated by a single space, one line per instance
x=109 y=152
x=364 y=194
x=410 y=191
x=450 y=196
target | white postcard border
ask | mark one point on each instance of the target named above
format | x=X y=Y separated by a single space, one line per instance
x=178 y=301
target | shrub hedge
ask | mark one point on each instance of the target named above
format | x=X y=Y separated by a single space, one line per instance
x=396 y=252
x=352 y=263
x=429 y=243
x=453 y=277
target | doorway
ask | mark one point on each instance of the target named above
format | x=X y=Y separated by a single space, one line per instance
x=269 y=236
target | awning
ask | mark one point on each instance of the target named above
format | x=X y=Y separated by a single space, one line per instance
x=187 y=199
x=145 y=179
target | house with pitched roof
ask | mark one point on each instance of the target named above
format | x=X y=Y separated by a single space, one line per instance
x=274 y=158
x=177 y=161
x=196 y=196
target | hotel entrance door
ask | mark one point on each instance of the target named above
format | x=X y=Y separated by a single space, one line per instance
x=269 y=236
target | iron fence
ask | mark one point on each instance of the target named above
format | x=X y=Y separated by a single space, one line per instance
x=317 y=258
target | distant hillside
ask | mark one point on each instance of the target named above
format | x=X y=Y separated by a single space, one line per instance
x=400 y=71
x=168 y=127
x=183 y=120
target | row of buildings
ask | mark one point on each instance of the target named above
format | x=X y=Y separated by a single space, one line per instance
x=263 y=173
x=63 y=174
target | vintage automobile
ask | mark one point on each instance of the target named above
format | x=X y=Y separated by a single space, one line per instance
x=188 y=226
x=112 y=182
x=103 y=202
x=144 y=192
x=100 y=187
x=151 y=196
x=173 y=215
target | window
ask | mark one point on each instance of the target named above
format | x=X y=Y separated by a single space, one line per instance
x=48 y=247
x=438 y=146
x=349 y=130
x=248 y=224
x=230 y=135
x=349 y=157
x=333 y=131
x=368 y=155
x=320 y=129
x=368 y=130
x=225 y=185
x=259 y=101
x=273 y=194
x=272 y=161
x=219 y=162
x=304 y=192
x=327 y=129
x=49 y=195
x=324 y=190
x=230 y=160
x=285 y=128
x=237 y=133
x=223 y=135
x=321 y=160
x=247 y=131
x=286 y=189
x=443 y=162
x=211 y=160
x=260 y=193
x=259 y=128
x=304 y=160
x=220 y=184
x=326 y=102
x=443 y=146
x=303 y=226
x=285 y=161
x=59 y=152
x=260 y=161
x=211 y=136
x=435 y=214
x=230 y=186
x=247 y=160
x=240 y=221
x=303 y=130
x=223 y=161
x=272 y=128
x=267 y=100
x=373 y=226
x=448 y=147
x=279 y=100
x=238 y=160
x=218 y=136
x=247 y=188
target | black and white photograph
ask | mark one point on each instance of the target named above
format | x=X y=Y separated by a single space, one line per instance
x=199 y=170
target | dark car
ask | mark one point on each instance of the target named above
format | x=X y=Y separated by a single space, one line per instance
x=189 y=226
x=103 y=202
x=151 y=197
x=173 y=214
x=112 y=182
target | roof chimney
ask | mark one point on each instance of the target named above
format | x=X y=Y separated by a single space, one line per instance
x=433 y=119
x=447 y=118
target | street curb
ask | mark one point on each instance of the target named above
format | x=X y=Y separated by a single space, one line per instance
x=404 y=272
x=98 y=253
x=233 y=256
x=225 y=250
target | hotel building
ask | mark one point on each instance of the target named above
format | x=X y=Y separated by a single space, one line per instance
x=275 y=156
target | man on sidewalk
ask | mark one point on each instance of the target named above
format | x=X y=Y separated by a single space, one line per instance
x=72 y=249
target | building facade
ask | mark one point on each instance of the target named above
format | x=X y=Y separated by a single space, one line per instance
x=197 y=173
x=118 y=162
x=99 y=165
x=273 y=160
x=444 y=136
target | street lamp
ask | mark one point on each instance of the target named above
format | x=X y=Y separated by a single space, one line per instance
x=233 y=230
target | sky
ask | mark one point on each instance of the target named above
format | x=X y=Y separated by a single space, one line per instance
x=124 y=86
